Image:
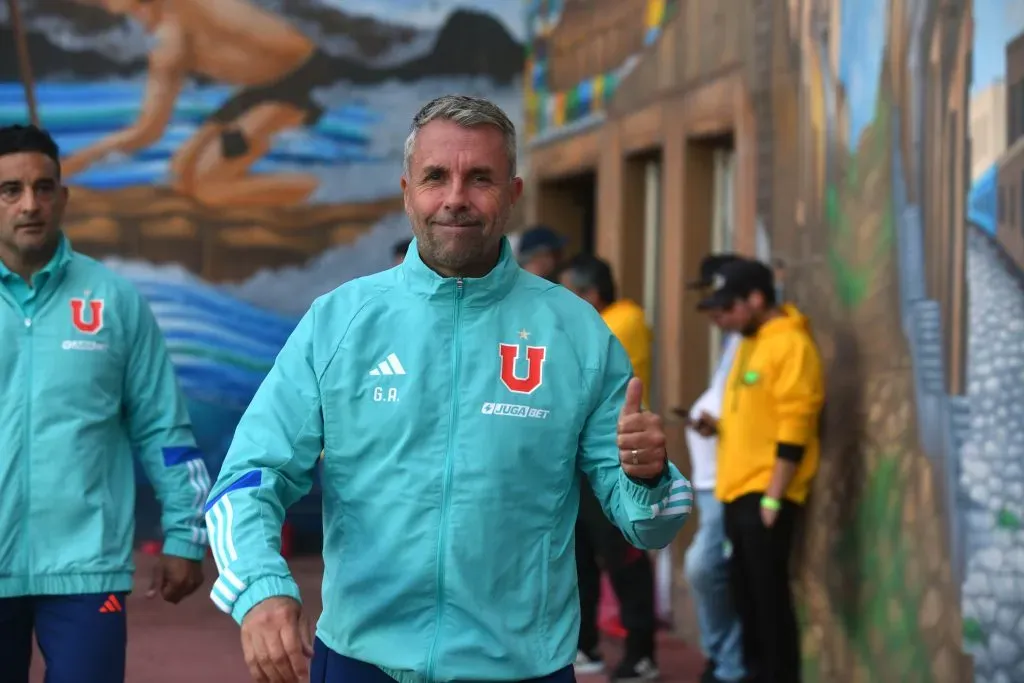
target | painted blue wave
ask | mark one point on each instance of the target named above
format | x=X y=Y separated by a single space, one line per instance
x=221 y=348
x=78 y=114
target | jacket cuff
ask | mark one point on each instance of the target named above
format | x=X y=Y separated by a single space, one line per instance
x=640 y=499
x=791 y=452
x=181 y=548
x=264 y=589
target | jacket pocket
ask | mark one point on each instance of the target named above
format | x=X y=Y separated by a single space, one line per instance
x=544 y=622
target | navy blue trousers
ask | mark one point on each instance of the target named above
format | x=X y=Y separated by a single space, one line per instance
x=330 y=667
x=82 y=637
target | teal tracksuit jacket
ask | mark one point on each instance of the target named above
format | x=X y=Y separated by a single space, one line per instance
x=85 y=379
x=456 y=417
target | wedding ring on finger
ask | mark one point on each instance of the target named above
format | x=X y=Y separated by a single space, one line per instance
x=636 y=456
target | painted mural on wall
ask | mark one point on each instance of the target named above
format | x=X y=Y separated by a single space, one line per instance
x=875 y=587
x=237 y=158
x=555 y=29
x=911 y=127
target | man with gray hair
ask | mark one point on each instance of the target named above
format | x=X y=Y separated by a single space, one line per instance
x=457 y=415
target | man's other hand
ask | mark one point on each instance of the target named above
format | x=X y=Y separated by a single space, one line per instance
x=175 y=578
x=277 y=641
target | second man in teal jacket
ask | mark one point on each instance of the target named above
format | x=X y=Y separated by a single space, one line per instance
x=85 y=381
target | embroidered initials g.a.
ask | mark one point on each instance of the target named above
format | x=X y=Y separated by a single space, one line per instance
x=91 y=323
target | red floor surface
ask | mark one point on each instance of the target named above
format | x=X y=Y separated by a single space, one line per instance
x=194 y=643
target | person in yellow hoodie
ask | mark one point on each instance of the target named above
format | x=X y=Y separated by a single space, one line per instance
x=768 y=451
x=630 y=570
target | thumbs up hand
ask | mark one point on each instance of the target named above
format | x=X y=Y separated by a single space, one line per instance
x=641 y=437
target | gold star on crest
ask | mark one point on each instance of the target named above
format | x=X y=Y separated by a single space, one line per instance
x=523 y=334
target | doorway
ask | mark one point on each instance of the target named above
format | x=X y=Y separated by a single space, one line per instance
x=723 y=222
x=568 y=205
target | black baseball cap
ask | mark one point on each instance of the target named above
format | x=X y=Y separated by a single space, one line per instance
x=710 y=265
x=540 y=237
x=737 y=280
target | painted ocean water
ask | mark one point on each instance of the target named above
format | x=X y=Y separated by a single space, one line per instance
x=78 y=114
x=355 y=149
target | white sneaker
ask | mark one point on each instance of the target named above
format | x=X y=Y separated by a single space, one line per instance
x=644 y=670
x=587 y=664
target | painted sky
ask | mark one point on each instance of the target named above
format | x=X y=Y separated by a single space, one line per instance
x=860 y=60
x=996 y=23
x=432 y=12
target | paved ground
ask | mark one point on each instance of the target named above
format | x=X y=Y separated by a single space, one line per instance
x=195 y=643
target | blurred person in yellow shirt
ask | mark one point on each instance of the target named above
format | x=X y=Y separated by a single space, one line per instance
x=598 y=542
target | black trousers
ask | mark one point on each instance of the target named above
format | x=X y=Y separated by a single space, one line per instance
x=600 y=544
x=759 y=569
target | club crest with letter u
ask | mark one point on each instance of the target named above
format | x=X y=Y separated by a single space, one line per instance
x=517 y=382
x=89 y=322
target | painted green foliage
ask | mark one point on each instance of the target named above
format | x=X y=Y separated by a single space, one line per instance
x=853 y=268
x=1008 y=521
x=811 y=668
x=974 y=634
x=883 y=611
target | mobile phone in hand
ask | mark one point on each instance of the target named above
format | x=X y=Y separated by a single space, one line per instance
x=684 y=415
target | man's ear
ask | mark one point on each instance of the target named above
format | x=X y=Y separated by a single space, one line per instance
x=517 y=189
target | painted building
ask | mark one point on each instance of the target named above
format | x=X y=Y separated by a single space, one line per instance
x=988 y=128
x=864 y=146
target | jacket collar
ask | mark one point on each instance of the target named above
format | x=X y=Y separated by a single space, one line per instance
x=478 y=291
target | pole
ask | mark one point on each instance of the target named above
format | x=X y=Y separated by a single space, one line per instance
x=24 y=65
